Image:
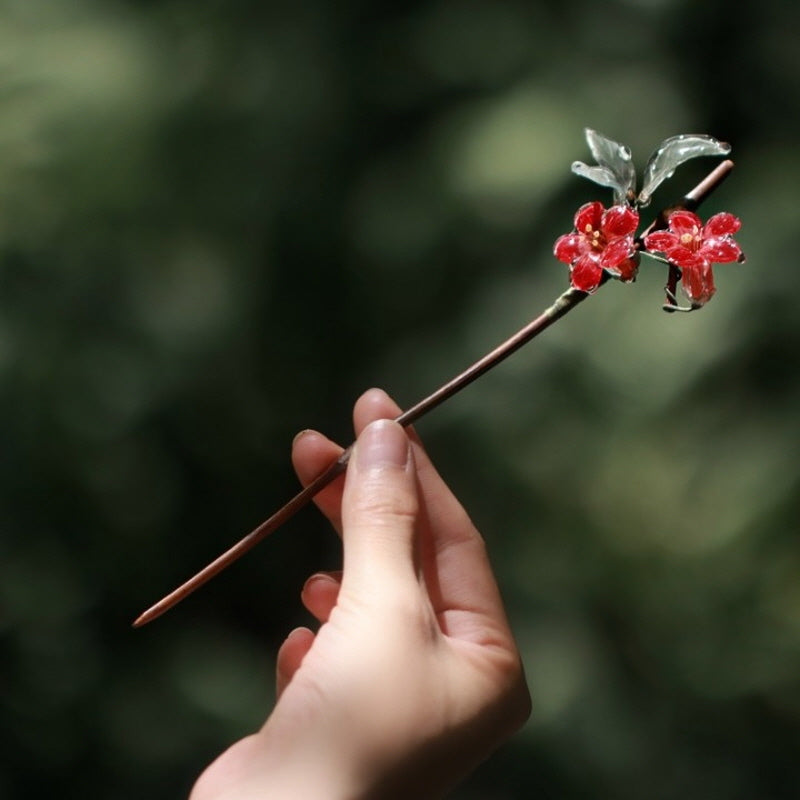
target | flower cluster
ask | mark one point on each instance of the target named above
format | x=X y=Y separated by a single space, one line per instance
x=694 y=247
x=603 y=243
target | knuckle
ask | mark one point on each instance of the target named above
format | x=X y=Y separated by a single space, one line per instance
x=386 y=504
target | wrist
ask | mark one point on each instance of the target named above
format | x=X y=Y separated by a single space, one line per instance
x=300 y=758
x=278 y=764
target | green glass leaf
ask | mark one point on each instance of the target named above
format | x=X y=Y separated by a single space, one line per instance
x=614 y=165
x=673 y=152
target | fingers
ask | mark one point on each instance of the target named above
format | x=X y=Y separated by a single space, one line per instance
x=320 y=593
x=290 y=656
x=373 y=404
x=379 y=511
x=312 y=454
x=459 y=575
x=446 y=517
x=455 y=562
x=319 y=597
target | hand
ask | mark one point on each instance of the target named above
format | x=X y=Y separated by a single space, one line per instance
x=413 y=677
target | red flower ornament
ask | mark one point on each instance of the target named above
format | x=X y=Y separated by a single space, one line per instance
x=694 y=247
x=602 y=243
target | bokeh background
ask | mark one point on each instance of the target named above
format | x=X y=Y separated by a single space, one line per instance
x=221 y=221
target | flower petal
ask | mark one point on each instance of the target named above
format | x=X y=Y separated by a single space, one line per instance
x=586 y=274
x=698 y=284
x=616 y=252
x=588 y=217
x=720 y=251
x=682 y=221
x=721 y=224
x=569 y=247
x=686 y=259
x=626 y=270
x=619 y=221
x=661 y=241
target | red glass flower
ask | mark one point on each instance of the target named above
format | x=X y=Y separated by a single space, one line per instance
x=602 y=242
x=694 y=247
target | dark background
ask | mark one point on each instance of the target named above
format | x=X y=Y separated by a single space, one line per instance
x=221 y=221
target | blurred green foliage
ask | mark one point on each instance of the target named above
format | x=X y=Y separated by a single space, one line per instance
x=220 y=222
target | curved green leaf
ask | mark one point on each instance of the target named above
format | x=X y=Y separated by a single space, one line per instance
x=672 y=153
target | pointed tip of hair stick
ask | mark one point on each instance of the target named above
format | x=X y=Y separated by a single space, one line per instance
x=147 y=616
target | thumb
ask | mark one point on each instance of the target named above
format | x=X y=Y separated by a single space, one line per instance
x=379 y=509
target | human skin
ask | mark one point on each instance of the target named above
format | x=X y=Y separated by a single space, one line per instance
x=413 y=677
